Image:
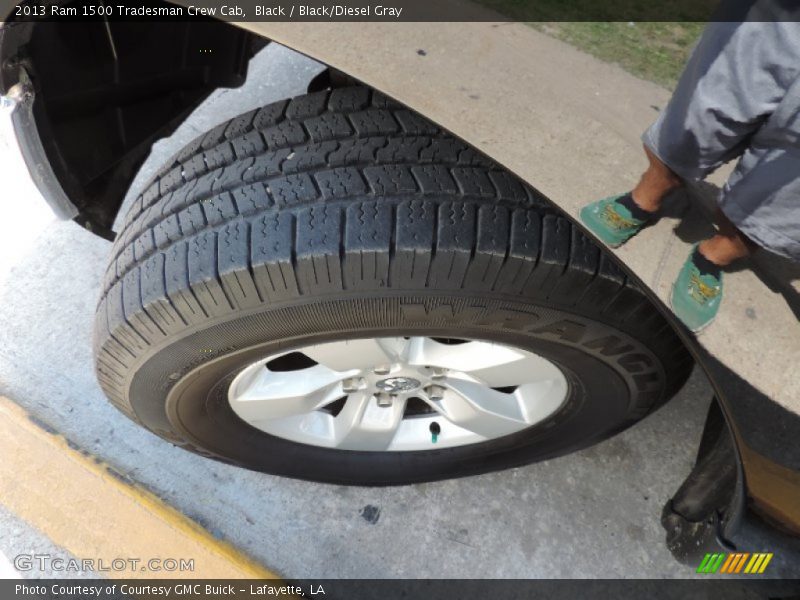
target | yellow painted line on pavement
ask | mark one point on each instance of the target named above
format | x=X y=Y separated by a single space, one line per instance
x=92 y=511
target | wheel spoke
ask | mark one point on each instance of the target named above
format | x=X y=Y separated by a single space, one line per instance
x=270 y=395
x=311 y=428
x=541 y=399
x=363 y=425
x=466 y=357
x=479 y=409
x=516 y=371
x=356 y=354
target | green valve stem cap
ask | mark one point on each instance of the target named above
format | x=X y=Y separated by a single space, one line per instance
x=435 y=430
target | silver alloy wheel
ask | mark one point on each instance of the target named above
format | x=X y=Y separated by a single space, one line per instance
x=399 y=393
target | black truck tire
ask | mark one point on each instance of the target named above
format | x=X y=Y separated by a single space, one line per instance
x=340 y=215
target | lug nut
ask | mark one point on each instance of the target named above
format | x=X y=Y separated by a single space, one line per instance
x=383 y=370
x=352 y=384
x=435 y=392
x=384 y=399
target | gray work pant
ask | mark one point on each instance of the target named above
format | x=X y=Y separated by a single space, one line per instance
x=739 y=96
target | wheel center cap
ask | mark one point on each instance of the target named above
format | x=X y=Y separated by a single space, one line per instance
x=394 y=385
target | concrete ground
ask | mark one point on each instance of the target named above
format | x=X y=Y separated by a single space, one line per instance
x=18 y=537
x=591 y=514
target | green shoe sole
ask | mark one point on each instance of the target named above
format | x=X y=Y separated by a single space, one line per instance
x=694 y=327
x=696 y=315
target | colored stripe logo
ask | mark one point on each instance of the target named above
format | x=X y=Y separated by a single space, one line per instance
x=736 y=562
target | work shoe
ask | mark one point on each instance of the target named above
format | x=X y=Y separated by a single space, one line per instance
x=697 y=292
x=614 y=220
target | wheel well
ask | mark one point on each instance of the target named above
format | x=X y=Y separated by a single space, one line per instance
x=104 y=91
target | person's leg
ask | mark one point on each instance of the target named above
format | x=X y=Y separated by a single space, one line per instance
x=728 y=245
x=705 y=124
x=697 y=292
x=618 y=218
x=720 y=106
x=655 y=183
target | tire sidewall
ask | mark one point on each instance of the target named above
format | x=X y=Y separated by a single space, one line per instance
x=180 y=391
